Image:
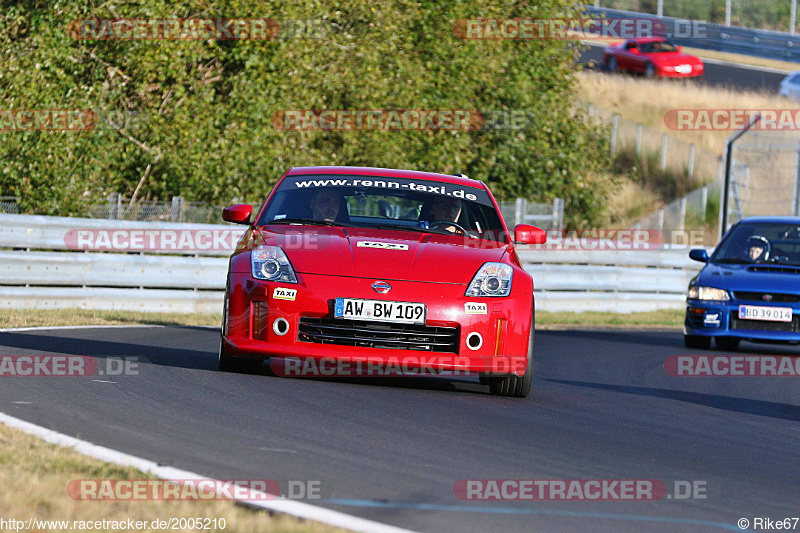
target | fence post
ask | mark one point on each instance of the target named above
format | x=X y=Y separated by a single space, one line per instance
x=177 y=207
x=614 y=125
x=558 y=213
x=591 y=110
x=793 y=17
x=691 y=160
x=660 y=222
x=664 y=138
x=682 y=217
x=639 y=129
x=796 y=194
x=520 y=210
x=704 y=202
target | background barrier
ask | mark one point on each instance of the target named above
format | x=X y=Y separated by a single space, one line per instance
x=38 y=270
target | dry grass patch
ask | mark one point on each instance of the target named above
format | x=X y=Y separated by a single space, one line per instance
x=648 y=101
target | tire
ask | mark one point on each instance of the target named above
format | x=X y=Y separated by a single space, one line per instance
x=649 y=70
x=613 y=65
x=239 y=365
x=727 y=343
x=696 y=341
x=515 y=386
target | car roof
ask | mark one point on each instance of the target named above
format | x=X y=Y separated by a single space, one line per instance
x=772 y=220
x=386 y=173
x=648 y=39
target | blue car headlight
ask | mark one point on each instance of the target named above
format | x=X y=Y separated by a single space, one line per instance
x=270 y=263
x=699 y=292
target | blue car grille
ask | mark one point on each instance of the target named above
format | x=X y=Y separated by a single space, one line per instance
x=773 y=297
x=763 y=325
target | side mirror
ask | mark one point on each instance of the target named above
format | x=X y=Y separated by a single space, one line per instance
x=525 y=234
x=635 y=51
x=699 y=254
x=239 y=213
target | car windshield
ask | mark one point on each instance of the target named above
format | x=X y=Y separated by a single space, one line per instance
x=386 y=203
x=749 y=243
x=656 y=47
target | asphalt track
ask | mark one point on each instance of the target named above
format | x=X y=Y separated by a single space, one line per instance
x=391 y=450
x=717 y=74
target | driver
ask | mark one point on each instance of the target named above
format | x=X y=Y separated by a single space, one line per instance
x=446 y=209
x=324 y=205
x=758 y=249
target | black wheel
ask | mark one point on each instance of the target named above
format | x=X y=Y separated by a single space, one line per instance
x=649 y=70
x=727 y=343
x=240 y=365
x=613 y=66
x=696 y=341
x=515 y=386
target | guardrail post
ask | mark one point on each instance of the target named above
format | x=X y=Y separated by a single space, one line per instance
x=664 y=140
x=660 y=222
x=614 y=127
x=691 y=160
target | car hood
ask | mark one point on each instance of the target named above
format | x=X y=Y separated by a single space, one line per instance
x=381 y=253
x=671 y=59
x=752 y=278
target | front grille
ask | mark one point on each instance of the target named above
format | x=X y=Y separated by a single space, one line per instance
x=379 y=335
x=759 y=297
x=763 y=325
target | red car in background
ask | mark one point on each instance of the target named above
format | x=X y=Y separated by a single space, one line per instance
x=652 y=56
x=376 y=265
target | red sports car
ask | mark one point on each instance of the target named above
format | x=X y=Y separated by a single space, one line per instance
x=653 y=56
x=369 y=268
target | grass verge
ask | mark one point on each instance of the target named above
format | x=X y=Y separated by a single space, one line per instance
x=21 y=318
x=663 y=318
x=13 y=318
x=36 y=474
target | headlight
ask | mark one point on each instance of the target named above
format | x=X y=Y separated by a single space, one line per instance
x=271 y=263
x=708 y=293
x=492 y=279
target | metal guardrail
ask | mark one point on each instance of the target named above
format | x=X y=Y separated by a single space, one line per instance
x=747 y=41
x=566 y=280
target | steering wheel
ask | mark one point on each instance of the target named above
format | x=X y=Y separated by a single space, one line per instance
x=446 y=224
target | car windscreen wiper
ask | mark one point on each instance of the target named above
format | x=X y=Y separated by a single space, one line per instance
x=307 y=222
x=731 y=261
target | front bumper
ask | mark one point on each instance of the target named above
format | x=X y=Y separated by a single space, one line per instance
x=253 y=310
x=721 y=319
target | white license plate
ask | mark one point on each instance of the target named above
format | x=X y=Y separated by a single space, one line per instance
x=772 y=314
x=379 y=310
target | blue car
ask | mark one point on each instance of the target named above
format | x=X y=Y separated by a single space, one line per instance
x=749 y=288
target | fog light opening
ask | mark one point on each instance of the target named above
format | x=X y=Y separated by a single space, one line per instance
x=474 y=341
x=280 y=326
